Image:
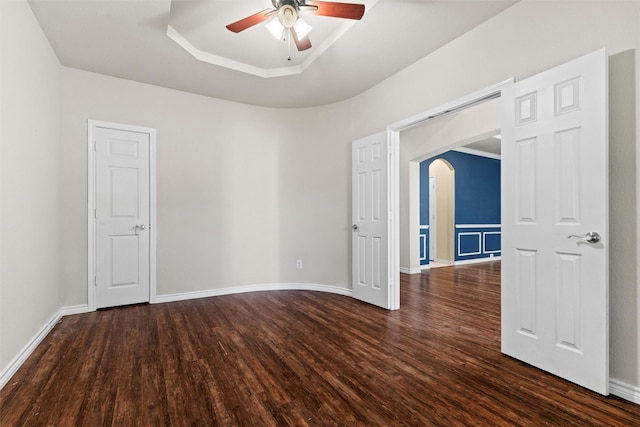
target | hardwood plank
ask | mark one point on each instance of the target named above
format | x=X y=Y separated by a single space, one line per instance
x=300 y=358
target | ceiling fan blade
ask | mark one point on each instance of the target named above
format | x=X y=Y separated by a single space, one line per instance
x=250 y=21
x=336 y=9
x=303 y=44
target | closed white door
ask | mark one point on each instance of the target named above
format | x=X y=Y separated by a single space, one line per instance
x=555 y=221
x=370 y=220
x=121 y=216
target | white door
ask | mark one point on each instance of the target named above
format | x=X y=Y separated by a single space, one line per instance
x=370 y=157
x=121 y=216
x=554 y=195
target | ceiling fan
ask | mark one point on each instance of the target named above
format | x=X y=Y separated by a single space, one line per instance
x=287 y=18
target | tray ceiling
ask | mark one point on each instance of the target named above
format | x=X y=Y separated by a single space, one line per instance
x=138 y=40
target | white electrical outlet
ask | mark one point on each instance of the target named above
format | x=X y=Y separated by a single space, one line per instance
x=299 y=263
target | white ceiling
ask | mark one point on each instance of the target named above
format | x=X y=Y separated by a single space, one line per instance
x=489 y=145
x=129 y=39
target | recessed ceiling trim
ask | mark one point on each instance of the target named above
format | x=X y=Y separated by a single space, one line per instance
x=266 y=73
x=221 y=61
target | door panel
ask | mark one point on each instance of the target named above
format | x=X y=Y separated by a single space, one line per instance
x=122 y=217
x=555 y=190
x=370 y=220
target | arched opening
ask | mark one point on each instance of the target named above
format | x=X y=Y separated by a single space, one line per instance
x=441 y=212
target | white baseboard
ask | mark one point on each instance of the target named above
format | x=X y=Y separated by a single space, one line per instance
x=74 y=309
x=463 y=262
x=253 y=288
x=406 y=270
x=624 y=390
x=26 y=351
x=476 y=260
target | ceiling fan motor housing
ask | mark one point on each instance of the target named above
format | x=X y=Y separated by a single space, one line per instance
x=287 y=13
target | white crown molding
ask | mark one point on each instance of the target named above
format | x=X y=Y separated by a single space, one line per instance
x=222 y=61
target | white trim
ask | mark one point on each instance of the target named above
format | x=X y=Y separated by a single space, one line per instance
x=478 y=153
x=478 y=226
x=32 y=344
x=452 y=106
x=479 y=234
x=423 y=242
x=624 y=390
x=477 y=260
x=393 y=204
x=91 y=229
x=424 y=227
x=411 y=270
x=26 y=351
x=442 y=261
x=74 y=309
x=484 y=242
x=160 y=299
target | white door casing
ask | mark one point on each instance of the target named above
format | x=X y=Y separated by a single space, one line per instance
x=122 y=206
x=370 y=220
x=554 y=186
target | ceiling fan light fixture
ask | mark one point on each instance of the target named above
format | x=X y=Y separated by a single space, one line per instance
x=302 y=28
x=275 y=28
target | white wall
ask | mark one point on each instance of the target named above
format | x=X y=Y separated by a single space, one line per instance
x=243 y=191
x=30 y=196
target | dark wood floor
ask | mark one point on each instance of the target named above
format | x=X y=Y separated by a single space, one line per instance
x=300 y=358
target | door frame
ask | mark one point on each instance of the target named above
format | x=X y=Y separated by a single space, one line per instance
x=393 y=138
x=92 y=125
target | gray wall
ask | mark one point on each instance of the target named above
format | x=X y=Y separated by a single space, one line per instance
x=30 y=290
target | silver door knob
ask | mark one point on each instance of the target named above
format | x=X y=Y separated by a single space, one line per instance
x=355 y=227
x=590 y=237
x=141 y=227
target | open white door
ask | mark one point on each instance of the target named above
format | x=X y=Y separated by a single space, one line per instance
x=554 y=201
x=370 y=211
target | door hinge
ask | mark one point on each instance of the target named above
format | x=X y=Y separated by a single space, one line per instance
x=95 y=213
x=95 y=280
x=94 y=145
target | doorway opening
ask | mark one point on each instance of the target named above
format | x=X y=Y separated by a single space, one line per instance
x=463 y=129
x=442 y=190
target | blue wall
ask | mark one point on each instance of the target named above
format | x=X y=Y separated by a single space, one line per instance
x=477 y=205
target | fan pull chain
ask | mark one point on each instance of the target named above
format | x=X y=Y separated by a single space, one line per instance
x=289 y=44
